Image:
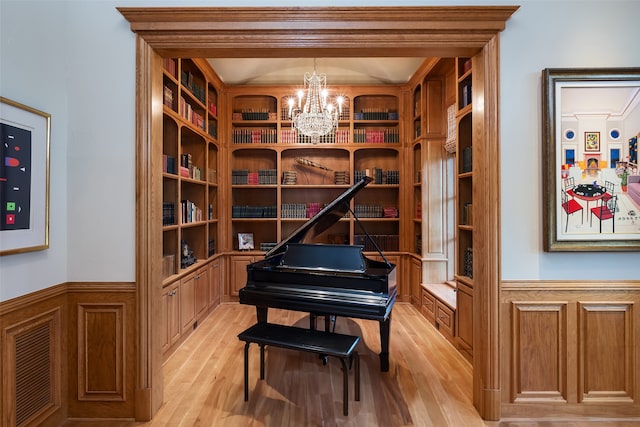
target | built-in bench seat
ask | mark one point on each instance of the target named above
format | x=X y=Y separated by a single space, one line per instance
x=323 y=343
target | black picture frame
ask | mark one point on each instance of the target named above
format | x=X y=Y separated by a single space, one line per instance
x=555 y=84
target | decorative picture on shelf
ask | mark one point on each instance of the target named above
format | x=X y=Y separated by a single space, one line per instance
x=588 y=198
x=24 y=178
x=245 y=241
x=592 y=141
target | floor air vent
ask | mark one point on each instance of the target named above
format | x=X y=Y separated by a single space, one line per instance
x=33 y=372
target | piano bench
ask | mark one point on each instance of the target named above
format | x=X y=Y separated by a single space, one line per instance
x=312 y=341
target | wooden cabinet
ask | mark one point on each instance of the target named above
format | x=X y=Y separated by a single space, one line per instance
x=439 y=307
x=170 y=315
x=464 y=320
x=215 y=281
x=445 y=319
x=202 y=286
x=464 y=207
x=187 y=303
x=238 y=272
x=428 y=306
x=416 y=278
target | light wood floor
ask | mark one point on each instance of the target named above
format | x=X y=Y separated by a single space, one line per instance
x=428 y=384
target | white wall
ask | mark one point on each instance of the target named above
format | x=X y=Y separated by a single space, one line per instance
x=76 y=61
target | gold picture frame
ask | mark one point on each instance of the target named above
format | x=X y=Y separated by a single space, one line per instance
x=24 y=178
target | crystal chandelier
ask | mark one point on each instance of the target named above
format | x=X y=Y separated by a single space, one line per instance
x=317 y=116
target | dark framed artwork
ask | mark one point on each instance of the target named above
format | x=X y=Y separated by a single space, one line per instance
x=586 y=206
x=24 y=178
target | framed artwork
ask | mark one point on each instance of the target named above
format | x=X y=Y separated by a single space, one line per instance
x=584 y=205
x=24 y=178
x=245 y=241
x=592 y=141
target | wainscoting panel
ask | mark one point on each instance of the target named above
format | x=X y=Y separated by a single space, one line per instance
x=102 y=350
x=568 y=349
x=606 y=352
x=540 y=339
x=68 y=351
x=101 y=370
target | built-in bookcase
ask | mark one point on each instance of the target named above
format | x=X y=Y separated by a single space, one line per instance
x=464 y=208
x=190 y=198
x=280 y=178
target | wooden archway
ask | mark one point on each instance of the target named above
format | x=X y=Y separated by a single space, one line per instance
x=318 y=32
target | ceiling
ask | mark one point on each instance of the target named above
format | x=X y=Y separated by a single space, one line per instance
x=339 y=71
x=609 y=100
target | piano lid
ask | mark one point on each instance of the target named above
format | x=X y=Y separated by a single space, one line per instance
x=320 y=222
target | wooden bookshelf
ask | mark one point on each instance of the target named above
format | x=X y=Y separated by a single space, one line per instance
x=190 y=229
x=464 y=209
x=270 y=172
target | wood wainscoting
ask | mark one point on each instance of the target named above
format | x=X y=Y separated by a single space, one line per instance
x=570 y=349
x=68 y=351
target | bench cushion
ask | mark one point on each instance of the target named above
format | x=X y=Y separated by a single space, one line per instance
x=294 y=338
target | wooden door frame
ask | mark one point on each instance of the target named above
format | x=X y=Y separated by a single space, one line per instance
x=317 y=32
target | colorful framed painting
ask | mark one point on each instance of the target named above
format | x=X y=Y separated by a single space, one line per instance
x=24 y=178
x=586 y=205
x=592 y=141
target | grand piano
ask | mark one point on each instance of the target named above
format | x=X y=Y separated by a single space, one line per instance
x=325 y=279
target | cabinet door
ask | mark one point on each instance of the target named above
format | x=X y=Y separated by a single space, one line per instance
x=170 y=315
x=187 y=303
x=416 y=278
x=215 y=270
x=202 y=292
x=464 y=319
x=428 y=307
x=239 y=273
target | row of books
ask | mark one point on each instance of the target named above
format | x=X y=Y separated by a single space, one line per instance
x=169 y=164
x=213 y=130
x=168 y=97
x=379 y=176
x=246 y=211
x=190 y=115
x=190 y=212
x=375 y=211
x=189 y=80
x=374 y=136
x=294 y=210
x=188 y=169
x=386 y=242
x=253 y=114
x=168 y=213
x=376 y=114
x=466 y=95
x=291 y=136
x=262 y=177
x=342 y=115
x=254 y=136
x=267 y=246
x=171 y=65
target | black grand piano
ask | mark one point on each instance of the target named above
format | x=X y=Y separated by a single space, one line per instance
x=324 y=279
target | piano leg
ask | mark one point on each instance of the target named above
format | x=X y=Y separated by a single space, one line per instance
x=312 y=321
x=385 y=328
x=261 y=314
